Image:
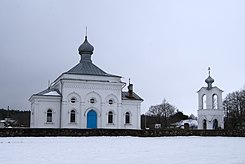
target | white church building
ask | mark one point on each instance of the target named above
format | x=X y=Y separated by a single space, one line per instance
x=210 y=108
x=86 y=97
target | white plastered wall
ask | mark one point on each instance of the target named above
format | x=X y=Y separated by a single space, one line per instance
x=101 y=92
x=39 y=107
x=210 y=114
x=133 y=107
x=101 y=89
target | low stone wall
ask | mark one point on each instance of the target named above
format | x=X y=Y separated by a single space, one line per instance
x=27 y=132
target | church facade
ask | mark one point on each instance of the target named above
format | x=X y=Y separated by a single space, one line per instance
x=210 y=107
x=86 y=97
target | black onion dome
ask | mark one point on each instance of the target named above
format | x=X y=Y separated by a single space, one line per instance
x=86 y=47
x=209 y=80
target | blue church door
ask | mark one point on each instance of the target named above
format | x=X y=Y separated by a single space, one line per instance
x=92 y=119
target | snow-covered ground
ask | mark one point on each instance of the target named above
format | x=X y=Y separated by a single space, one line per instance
x=122 y=150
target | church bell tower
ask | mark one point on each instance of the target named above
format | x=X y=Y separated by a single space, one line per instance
x=210 y=107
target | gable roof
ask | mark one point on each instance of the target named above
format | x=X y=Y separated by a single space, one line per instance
x=49 y=92
x=134 y=96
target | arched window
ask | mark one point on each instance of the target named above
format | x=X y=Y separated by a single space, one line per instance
x=127 y=118
x=110 y=117
x=204 y=124
x=215 y=101
x=73 y=116
x=215 y=124
x=204 y=102
x=49 y=115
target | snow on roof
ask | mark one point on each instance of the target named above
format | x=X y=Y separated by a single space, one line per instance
x=191 y=122
x=52 y=93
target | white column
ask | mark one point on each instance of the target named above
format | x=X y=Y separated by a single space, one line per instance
x=102 y=115
x=119 y=116
x=82 y=117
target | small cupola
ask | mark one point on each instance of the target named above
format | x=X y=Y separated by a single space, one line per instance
x=209 y=80
x=86 y=50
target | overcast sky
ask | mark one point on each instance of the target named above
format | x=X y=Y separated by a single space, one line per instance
x=165 y=47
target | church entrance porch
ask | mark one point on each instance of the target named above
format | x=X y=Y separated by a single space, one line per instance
x=92 y=119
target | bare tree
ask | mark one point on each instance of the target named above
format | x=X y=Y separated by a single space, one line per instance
x=161 y=112
x=234 y=104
